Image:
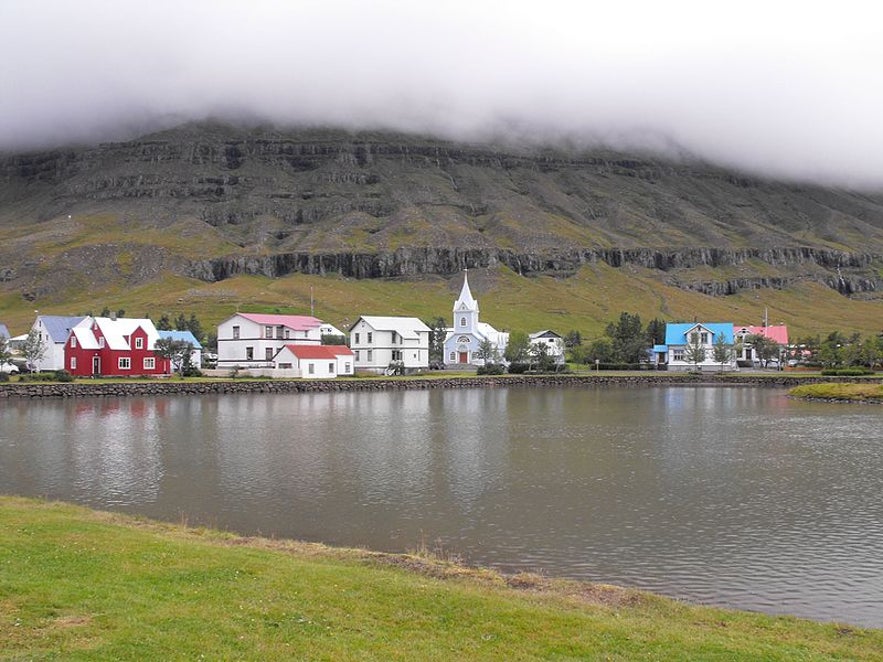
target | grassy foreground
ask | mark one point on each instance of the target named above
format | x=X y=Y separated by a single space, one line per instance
x=851 y=392
x=79 y=584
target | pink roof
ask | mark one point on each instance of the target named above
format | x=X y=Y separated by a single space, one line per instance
x=319 y=351
x=777 y=333
x=294 y=322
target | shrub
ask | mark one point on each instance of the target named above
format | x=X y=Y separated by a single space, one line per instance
x=491 y=369
x=846 y=372
x=63 y=376
x=518 y=368
x=38 y=377
x=4 y=376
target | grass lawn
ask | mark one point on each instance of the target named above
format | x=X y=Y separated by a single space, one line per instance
x=78 y=584
x=856 y=392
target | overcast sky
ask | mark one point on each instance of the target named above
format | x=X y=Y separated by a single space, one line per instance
x=784 y=88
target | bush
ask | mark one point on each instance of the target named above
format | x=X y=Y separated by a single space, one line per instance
x=491 y=369
x=518 y=368
x=38 y=377
x=4 y=376
x=63 y=376
x=846 y=372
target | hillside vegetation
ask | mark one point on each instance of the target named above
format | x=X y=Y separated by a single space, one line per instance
x=209 y=218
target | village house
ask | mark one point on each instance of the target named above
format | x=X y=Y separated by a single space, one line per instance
x=316 y=361
x=108 y=347
x=188 y=337
x=675 y=353
x=251 y=340
x=387 y=344
x=777 y=333
x=553 y=343
x=53 y=331
x=468 y=334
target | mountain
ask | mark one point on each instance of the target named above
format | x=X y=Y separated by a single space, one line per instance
x=211 y=203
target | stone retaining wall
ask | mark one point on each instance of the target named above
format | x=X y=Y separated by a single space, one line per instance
x=171 y=387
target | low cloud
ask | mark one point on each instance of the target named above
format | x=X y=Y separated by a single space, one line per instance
x=777 y=89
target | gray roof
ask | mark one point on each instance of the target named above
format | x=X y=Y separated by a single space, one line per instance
x=58 y=326
x=186 y=336
x=4 y=332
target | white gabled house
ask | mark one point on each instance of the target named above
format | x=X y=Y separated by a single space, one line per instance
x=316 y=361
x=54 y=331
x=677 y=355
x=252 y=340
x=382 y=344
x=553 y=343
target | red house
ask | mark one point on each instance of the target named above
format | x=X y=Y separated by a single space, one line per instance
x=114 y=348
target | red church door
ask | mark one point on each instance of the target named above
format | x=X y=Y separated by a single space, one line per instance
x=464 y=357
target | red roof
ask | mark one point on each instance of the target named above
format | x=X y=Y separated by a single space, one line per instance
x=295 y=322
x=319 y=351
x=777 y=333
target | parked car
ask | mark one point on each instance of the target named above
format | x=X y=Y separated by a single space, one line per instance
x=9 y=368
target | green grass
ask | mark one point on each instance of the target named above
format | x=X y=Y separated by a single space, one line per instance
x=84 y=585
x=857 y=392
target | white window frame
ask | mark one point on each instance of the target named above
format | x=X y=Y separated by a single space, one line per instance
x=149 y=363
x=73 y=363
x=139 y=343
x=124 y=363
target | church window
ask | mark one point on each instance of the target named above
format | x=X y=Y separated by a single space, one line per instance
x=453 y=356
x=462 y=321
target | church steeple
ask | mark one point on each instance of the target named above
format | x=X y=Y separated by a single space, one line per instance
x=465 y=308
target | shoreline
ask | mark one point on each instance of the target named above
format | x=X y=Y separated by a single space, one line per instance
x=100 y=388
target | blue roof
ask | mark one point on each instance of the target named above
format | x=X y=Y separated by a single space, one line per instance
x=660 y=348
x=4 y=332
x=186 y=336
x=58 y=326
x=676 y=334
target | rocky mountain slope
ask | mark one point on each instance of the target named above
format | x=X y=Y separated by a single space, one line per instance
x=210 y=202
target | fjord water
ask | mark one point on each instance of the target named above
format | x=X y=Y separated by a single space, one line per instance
x=734 y=496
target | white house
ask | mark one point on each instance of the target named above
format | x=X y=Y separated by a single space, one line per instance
x=251 y=340
x=468 y=333
x=54 y=331
x=316 y=361
x=380 y=343
x=186 y=336
x=678 y=336
x=553 y=343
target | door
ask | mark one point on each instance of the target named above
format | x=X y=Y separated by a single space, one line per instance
x=464 y=357
x=96 y=365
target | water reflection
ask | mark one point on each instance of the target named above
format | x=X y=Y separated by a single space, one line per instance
x=733 y=496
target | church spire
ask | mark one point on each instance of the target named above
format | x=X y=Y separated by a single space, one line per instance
x=466 y=300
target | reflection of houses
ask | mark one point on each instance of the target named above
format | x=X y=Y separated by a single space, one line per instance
x=251 y=340
x=778 y=334
x=188 y=337
x=379 y=343
x=316 y=361
x=463 y=341
x=676 y=353
x=54 y=331
x=114 y=347
x=553 y=343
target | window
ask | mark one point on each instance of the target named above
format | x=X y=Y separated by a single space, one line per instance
x=268 y=332
x=73 y=342
x=149 y=363
x=249 y=353
x=677 y=355
x=235 y=333
x=453 y=356
x=694 y=338
x=356 y=355
x=396 y=355
x=311 y=368
x=73 y=363
x=347 y=367
x=101 y=342
x=331 y=368
x=704 y=338
x=370 y=337
x=357 y=338
x=139 y=343
x=285 y=365
x=268 y=353
x=370 y=356
x=394 y=336
x=462 y=321
x=124 y=363
x=279 y=332
x=287 y=334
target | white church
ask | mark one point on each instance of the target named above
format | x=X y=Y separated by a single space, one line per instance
x=468 y=333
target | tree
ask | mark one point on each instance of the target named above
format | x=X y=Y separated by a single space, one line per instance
x=694 y=352
x=178 y=352
x=656 y=331
x=723 y=352
x=628 y=339
x=181 y=322
x=765 y=349
x=333 y=339
x=487 y=352
x=518 y=348
x=438 y=330
x=573 y=339
x=542 y=358
x=5 y=354
x=33 y=349
x=164 y=324
x=600 y=351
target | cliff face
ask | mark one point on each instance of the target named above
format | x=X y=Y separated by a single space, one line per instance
x=375 y=206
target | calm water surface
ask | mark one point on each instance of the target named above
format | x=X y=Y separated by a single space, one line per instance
x=731 y=496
